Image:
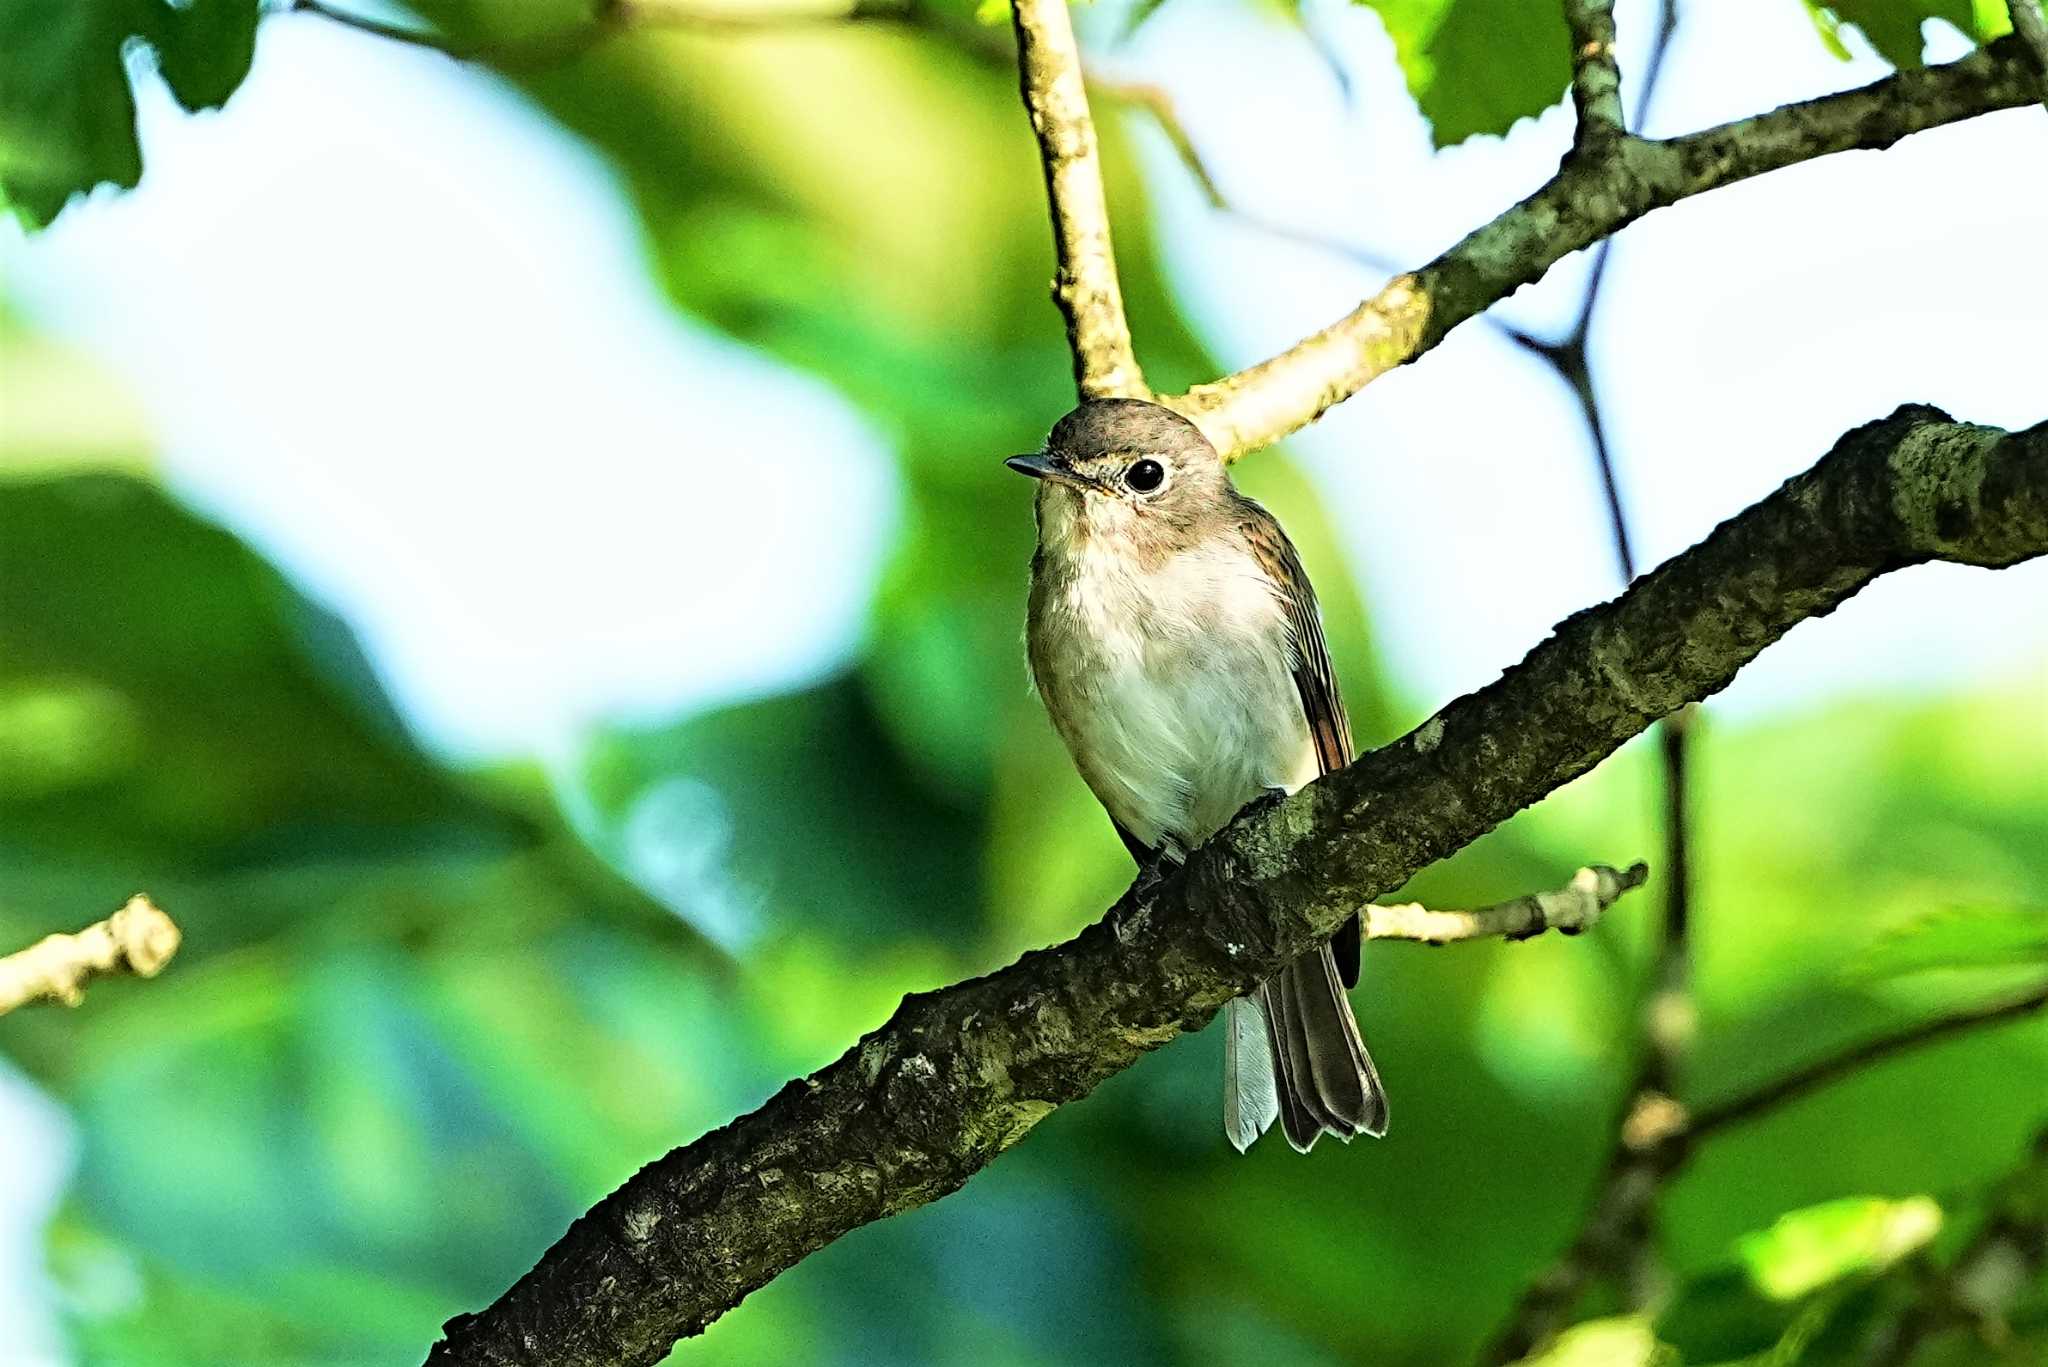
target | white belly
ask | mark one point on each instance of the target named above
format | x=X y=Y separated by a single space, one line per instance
x=1173 y=692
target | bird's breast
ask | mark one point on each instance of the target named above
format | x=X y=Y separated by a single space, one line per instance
x=1171 y=687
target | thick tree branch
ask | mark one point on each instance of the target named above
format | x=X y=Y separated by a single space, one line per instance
x=1597 y=192
x=1086 y=288
x=137 y=939
x=957 y=1076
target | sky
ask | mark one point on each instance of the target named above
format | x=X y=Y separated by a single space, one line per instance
x=394 y=327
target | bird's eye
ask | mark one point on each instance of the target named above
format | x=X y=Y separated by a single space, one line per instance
x=1145 y=476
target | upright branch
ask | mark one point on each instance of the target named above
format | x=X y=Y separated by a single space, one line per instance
x=138 y=939
x=1605 y=183
x=1596 y=74
x=957 y=1076
x=1085 y=287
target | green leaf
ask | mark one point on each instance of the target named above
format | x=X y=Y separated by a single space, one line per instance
x=67 y=116
x=1808 y=1249
x=67 y=113
x=1476 y=66
x=1804 y=1280
x=1957 y=937
x=1892 y=26
x=174 y=717
x=204 y=48
x=1829 y=25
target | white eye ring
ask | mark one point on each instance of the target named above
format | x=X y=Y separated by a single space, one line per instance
x=1145 y=476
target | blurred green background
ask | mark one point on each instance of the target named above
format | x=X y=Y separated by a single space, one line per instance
x=426 y=1013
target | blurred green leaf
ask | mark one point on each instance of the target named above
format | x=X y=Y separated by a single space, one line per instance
x=67 y=114
x=276 y=1134
x=1622 y=1341
x=813 y=818
x=1808 y=1249
x=1803 y=1289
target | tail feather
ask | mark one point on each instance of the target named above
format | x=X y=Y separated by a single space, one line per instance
x=1317 y=1075
x=1250 y=1100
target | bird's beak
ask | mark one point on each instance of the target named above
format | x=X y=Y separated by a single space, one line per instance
x=1042 y=465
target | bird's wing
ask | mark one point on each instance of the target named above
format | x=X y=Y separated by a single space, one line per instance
x=1314 y=680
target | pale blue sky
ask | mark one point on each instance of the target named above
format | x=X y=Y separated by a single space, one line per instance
x=395 y=328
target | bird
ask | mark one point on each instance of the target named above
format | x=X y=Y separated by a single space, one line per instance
x=1176 y=643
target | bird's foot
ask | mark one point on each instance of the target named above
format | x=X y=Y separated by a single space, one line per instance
x=1151 y=873
x=1272 y=797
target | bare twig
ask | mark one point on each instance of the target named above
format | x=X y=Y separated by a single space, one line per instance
x=958 y=1076
x=1591 y=197
x=137 y=939
x=1574 y=908
x=1086 y=288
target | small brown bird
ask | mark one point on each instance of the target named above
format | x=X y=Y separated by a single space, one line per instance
x=1177 y=645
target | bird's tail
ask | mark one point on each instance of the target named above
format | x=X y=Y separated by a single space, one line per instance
x=1297 y=1055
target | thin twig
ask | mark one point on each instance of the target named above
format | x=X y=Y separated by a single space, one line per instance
x=609 y=18
x=1085 y=286
x=138 y=939
x=1722 y=1115
x=1572 y=909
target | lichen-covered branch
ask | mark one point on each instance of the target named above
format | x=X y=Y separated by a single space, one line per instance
x=1085 y=286
x=1596 y=75
x=1571 y=909
x=137 y=939
x=957 y=1076
x=1598 y=191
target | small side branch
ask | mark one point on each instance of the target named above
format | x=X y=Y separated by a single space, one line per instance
x=138 y=939
x=1086 y=287
x=1596 y=75
x=1575 y=907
